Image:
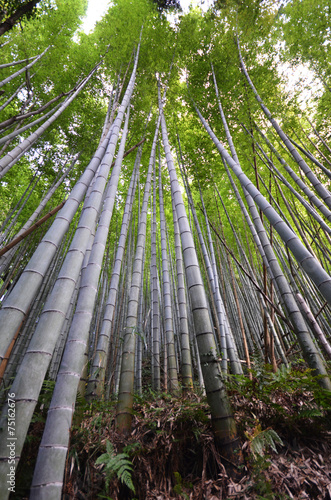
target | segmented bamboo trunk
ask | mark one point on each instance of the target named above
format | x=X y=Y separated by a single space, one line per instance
x=306 y=260
x=95 y=386
x=19 y=130
x=28 y=381
x=318 y=186
x=18 y=302
x=16 y=63
x=141 y=337
x=6 y=259
x=126 y=384
x=9 y=100
x=186 y=361
x=311 y=157
x=222 y=418
x=49 y=469
x=155 y=316
x=22 y=70
x=167 y=305
x=311 y=196
x=15 y=306
x=11 y=157
x=211 y=277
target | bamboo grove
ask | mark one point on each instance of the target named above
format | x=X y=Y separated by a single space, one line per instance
x=165 y=212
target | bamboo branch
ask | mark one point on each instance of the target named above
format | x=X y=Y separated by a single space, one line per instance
x=250 y=277
x=26 y=233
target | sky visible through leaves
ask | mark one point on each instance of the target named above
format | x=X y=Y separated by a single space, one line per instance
x=97 y=8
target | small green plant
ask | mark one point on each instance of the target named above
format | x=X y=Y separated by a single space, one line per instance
x=116 y=465
x=310 y=413
x=262 y=485
x=97 y=421
x=180 y=484
x=46 y=394
x=44 y=401
x=261 y=440
x=132 y=449
x=289 y=380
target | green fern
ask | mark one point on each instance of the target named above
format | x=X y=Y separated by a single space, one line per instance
x=310 y=413
x=261 y=440
x=44 y=401
x=46 y=393
x=118 y=465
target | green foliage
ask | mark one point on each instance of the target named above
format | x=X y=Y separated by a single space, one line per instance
x=260 y=440
x=8 y=8
x=46 y=393
x=180 y=484
x=194 y=412
x=291 y=398
x=286 y=379
x=192 y=42
x=262 y=486
x=44 y=401
x=309 y=44
x=116 y=465
x=310 y=41
x=132 y=449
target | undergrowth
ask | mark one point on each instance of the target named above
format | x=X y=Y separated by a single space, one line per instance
x=171 y=451
x=287 y=400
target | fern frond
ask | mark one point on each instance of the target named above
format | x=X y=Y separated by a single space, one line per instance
x=109 y=447
x=264 y=439
x=271 y=438
x=118 y=465
x=124 y=467
x=310 y=413
x=125 y=478
x=102 y=459
x=123 y=456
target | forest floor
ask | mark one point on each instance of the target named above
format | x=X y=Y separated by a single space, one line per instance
x=285 y=437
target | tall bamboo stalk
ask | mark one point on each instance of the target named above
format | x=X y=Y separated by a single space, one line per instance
x=222 y=419
x=126 y=383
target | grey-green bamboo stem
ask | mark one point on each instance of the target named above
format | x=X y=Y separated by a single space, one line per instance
x=126 y=385
x=167 y=305
x=314 y=269
x=318 y=186
x=222 y=419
